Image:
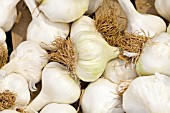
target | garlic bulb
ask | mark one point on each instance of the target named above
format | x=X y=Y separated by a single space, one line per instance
x=148 y=94
x=58 y=108
x=117 y=71
x=64 y=11
x=155 y=56
x=27 y=59
x=14 y=89
x=101 y=97
x=163 y=8
x=93 y=54
x=57 y=86
x=8 y=14
x=9 y=111
x=141 y=23
x=42 y=30
x=93 y=6
x=2 y=36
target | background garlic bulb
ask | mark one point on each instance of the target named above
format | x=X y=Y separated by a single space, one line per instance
x=63 y=10
x=57 y=86
x=155 y=56
x=117 y=71
x=163 y=8
x=101 y=97
x=8 y=14
x=93 y=5
x=27 y=59
x=58 y=108
x=14 y=86
x=141 y=23
x=9 y=111
x=148 y=94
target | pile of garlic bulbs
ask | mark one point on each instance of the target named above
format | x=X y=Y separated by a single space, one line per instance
x=84 y=64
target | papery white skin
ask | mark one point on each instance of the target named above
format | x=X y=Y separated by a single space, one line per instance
x=28 y=59
x=93 y=54
x=117 y=71
x=57 y=87
x=148 y=94
x=64 y=11
x=163 y=8
x=101 y=97
x=58 y=108
x=42 y=30
x=8 y=14
x=93 y=6
x=155 y=56
x=8 y=111
x=16 y=84
x=141 y=23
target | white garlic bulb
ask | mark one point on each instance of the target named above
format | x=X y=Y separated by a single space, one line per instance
x=101 y=97
x=93 y=6
x=8 y=111
x=64 y=11
x=14 y=85
x=163 y=8
x=141 y=23
x=155 y=56
x=28 y=59
x=58 y=108
x=8 y=14
x=42 y=30
x=117 y=71
x=57 y=86
x=2 y=36
x=148 y=94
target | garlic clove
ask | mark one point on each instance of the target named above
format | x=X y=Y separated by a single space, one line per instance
x=57 y=87
x=56 y=11
x=141 y=23
x=58 y=108
x=8 y=111
x=101 y=97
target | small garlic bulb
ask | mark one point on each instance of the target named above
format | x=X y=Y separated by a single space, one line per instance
x=64 y=11
x=101 y=97
x=57 y=87
x=28 y=59
x=93 y=6
x=58 y=108
x=8 y=111
x=141 y=23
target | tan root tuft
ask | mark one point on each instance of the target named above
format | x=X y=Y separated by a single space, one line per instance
x=3 y=56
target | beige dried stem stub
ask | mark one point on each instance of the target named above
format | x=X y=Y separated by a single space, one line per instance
x=3 y=56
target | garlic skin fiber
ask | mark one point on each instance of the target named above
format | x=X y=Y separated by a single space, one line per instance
x=101 y=97
x=64 y=11
x=148 y=94
x=8 y=111
x=27 y=59
x=141 y=23
x=58 y=108
x=57 y=87
x=93 y=6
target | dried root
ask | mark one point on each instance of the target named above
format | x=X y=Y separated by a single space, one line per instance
x=3 y=56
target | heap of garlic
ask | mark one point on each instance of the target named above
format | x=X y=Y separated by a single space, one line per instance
x=27 y=59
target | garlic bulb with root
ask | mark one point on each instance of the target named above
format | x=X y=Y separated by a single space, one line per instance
x=101 y=97
x=117 y=71
x=14 y=91
x=9 y=111
x=148 y=94
x=8 y=14
x=57 y=87
x=141 y=23
x=155 y=56
x=58 y=108
x=163 y=8
x=93 y=6
x=42 y=30
x=64 y=11
x=28 y=59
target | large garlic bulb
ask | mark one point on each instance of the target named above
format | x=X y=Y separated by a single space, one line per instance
x=93 y=6
x=63 y=10
x=28 y=59
x=117 y=71
x=148 y=94
x=14 y=89
x=155 y=56
x=141 y=23
x=9 y=111
x=57 y=86
x=58 y=108
x=101 y=97
x=8 y=14
x=163 y=8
